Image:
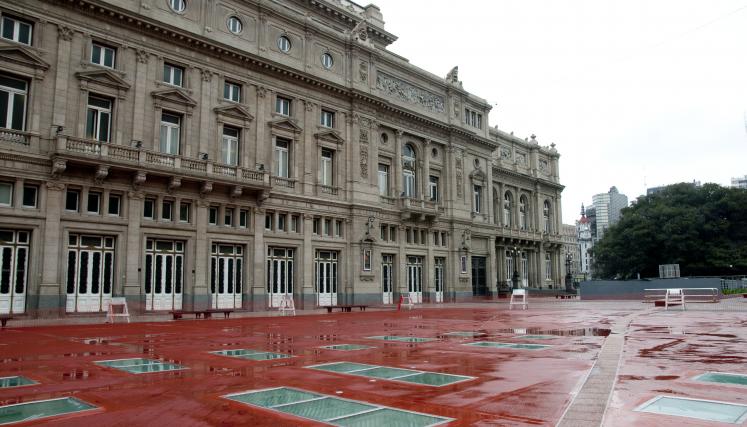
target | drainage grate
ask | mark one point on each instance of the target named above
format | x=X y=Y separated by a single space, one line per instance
x=346 y=347
x=247 y=354
x=401 y=339
x=722 y=378
x=141 y=366
x=333 y=410
x=41 y=409
x=507 y=345
x=394 y=374
x=708 y=410
x=8 y=382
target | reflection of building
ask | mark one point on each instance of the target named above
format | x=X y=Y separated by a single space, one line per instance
x=607 y=207
x=186 y=156
x=585 y=244
x=569 y=235
x=739 y=182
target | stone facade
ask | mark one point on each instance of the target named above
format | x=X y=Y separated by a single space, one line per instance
x=189 y=154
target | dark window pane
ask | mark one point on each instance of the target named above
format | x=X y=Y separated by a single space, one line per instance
x=5 y=271
x=83 y=274
x=108 y=261
x=19 y=111
x=71 y=263
x=29 y=196
x=96 y=273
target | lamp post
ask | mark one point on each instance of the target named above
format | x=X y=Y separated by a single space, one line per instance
x=568 y=276
x=515 y=277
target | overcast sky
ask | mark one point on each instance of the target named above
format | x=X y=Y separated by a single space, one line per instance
x=635 y=93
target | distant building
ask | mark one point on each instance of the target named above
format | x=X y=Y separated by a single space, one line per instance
x=608 y=206
x=570 y=249
x=739 y=182
x=654 y=190
x=585 y=244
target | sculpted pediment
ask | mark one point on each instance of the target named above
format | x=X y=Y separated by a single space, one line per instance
x=174 y=95
x=477 y=175
x=22 y=56
x=286 y=124
x=103 y=77
x=330 y=135
x=236 y=111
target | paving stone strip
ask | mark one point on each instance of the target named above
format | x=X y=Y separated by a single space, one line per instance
x=588 y=407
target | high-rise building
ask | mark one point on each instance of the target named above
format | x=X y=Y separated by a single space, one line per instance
x=585 y=244
x=739 y=182
x=607 y=207
x=234 y=154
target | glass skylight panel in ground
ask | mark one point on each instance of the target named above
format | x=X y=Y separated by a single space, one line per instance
x=509 y=345
x=333 y=410
x=723 y=378
x=346 y=347
x=140 y=365
x=39 y=409
x=412 y=376
x=16 y=381
x=707 y=410
x=400 y=339
x=248 y=354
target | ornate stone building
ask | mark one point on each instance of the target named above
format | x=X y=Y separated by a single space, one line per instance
x=224 y=153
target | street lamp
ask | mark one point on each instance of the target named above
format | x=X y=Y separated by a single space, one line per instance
x=515 y=278
x=568 y=276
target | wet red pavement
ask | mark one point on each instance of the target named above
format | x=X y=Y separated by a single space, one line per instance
x=511 y=388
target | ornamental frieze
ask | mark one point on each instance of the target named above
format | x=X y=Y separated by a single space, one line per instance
x=406 y=92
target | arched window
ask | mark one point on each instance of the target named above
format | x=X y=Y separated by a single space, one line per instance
x=507 y=205
x=548 y=264
x=546 y=217
x=408 y=171
x=523 y=212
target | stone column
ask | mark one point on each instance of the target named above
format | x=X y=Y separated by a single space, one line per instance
x=426 y=170
x=62 y=77
x=205 y=135
x=401 y=262
x=397 y=164
x=131 y=289
x=493 y=272
x=140 y=89
x=489 y=190
x=262 y=145
x=311 y=155
x=259 y=296
x=309 y=297
x=52 y=291
x=201 y=296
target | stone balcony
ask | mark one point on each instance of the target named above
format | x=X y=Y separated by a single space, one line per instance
x=419 y=209
x=15 y=136
x=139 y=160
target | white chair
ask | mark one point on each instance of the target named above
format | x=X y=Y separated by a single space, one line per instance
x=287 y=306
x=405 y=300
x=519 y=297
x=674 y=297
x=120 y=311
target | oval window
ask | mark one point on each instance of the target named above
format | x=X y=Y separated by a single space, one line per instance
x=234 y=25
x=178 y=5
x=284 y=44
x=327 y=60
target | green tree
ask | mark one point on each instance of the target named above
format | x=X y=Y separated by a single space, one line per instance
x=703 y=229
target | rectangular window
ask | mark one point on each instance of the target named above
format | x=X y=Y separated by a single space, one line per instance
x=72 y=199
x=115 y=202
x=415 y=236
x=268 y=220
x=435 y=238
x=6 y=194
x=149 y=208
x=282 y=106
x=393 y=233
x=102 y=55
x=423 y=237
x=170 y=129
x=409 y=178
x=282 y=150
x=477 y=200
x=472 y=118
x=30 y=196
x=548 y=267
x=232 y=91
x=443 y=239
x=173 y=74
x=433 y=188
x=13 y=94
x=327 y=227
x=98 y=118
x=328 y=119
x=94 y=203
x=184 y=209
x=281 y=222
x=17 y=30
x=243 y=218
x=326 y=167
x=338 y=228
x=384 y=233
x=213 y=215
x=229 y=149
x=294 y=224
x=383 y=179
x=228 y=217
x=315 y=226
x=167 y=207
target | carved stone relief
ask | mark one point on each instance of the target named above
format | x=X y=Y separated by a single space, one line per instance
x=363 y=137
x=363 y=71
x=364 y=162
x=543 y=166
x=505 y=153
x=406 y=92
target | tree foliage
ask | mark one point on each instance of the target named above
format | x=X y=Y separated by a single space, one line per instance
x=703 y=229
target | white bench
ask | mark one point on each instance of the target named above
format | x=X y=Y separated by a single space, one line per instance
x=658 y=296
x=519 y=297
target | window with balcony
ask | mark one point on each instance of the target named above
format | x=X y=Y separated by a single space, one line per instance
x=103 y=55
x=408 y=171
x=173 y=74
x=548 y=267
x=232 y=91
x=326 y=168
x=477 y=198
x=283 y=106
x=229 y=148
x=17 y=30
x=546 y=217
x=282 y=157
x=328 y=119
x=523 y=212
x=383 y=179
x=171 y=125
x=99 y=118
x=507 y=205
x=13 y=95
x=433 y=188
